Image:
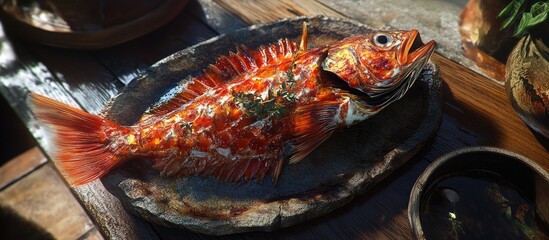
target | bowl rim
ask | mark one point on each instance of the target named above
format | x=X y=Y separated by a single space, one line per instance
x=421 y=183
x=96 y=39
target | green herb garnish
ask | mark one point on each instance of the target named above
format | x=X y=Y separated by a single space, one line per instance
x=188 y=127
x=272 y=105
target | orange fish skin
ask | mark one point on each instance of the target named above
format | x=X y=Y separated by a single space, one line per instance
x=247 y=115
x=214 y=136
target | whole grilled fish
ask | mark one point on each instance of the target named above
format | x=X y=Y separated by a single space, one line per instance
x=249 y=113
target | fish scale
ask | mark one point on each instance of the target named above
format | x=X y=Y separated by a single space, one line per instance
x=248 y=114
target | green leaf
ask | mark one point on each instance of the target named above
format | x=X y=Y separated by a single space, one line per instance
x=511 y=11
x=537 y=19
x=506 y=10
x=522 y=26
x=539 y=8
x=539 y=12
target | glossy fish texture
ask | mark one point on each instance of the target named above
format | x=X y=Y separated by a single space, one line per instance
x=248 y=114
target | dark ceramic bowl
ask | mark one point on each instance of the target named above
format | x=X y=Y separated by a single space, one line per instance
x=481 y=193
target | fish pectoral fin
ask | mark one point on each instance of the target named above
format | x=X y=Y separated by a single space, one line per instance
x=312 y=125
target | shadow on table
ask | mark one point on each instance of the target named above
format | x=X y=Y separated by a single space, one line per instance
x=15 y=138
x=14 y=226
x=541 y=139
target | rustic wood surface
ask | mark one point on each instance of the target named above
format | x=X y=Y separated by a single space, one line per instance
x=43 y=199
x=476 y=112
x=20 y=166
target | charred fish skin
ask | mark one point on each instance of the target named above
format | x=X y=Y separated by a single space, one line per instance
x=248 y=114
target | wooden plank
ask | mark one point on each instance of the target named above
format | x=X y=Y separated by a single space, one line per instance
x=20 y=73
x=15 y=139
x=89 y=82
x=93 y=234
x=127 y=61
x=43 y=199
x=481 y=106
x=112 y=219
x=20 y=166
x=215 y=16
x=263 y=11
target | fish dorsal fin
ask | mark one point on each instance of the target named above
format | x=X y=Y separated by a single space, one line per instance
x=225 y=69
x=312 y=125
x=303 y=43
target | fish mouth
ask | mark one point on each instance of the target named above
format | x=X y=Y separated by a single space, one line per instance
x=414 y=49
x=412 y=57
x=412 y=53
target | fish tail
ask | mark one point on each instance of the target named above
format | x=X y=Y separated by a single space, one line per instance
x=81 y=145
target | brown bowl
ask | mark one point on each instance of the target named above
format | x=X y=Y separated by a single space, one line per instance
x=89 y=24
x=481 y=193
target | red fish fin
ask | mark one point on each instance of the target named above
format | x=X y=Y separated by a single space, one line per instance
x=312 y=125
x=225 y=69
x=243 y=168
x=81 y=154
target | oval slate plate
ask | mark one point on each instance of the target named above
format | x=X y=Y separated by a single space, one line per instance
x=347 y=164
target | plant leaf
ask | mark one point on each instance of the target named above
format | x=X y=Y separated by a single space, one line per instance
x=511 y=11
x=537 y=19
x=539 y=8
x=506 y=10
x=539 y=11
x=522 y=26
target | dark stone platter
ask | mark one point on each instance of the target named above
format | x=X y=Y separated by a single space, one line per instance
x=348 y=163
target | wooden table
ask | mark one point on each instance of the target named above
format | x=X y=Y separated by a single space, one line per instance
x=476 y=111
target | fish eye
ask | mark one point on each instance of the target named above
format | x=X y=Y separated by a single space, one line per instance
x=383 y=40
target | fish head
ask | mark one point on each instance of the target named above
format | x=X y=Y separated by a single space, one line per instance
x=380 y=65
